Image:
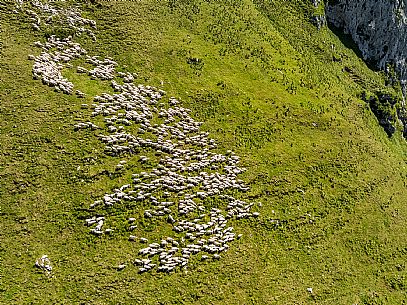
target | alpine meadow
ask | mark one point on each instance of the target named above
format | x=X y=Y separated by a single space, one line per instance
x=196 y=152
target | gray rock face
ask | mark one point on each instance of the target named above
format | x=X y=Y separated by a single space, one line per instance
x=378 y=27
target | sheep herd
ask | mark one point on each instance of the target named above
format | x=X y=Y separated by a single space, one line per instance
x=187 y=186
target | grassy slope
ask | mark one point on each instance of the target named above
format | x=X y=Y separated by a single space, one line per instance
x=332 y=184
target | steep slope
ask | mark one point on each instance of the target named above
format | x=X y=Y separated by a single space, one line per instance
x=378 y=28
x=379 y=31
x=331 y=183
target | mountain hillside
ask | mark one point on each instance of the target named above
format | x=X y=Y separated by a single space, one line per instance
x=293 y=100
x=379 y=31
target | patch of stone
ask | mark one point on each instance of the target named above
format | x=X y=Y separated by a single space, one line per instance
x=319 y=21
x=377 y=27
x=383 y=106
x=379 y=30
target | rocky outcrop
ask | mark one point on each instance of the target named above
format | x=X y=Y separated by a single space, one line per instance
x=318 y=20
x=378 y=27
x=383 y=105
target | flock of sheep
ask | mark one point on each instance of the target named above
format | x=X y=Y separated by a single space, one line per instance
x=44 y=14
x=188 y=187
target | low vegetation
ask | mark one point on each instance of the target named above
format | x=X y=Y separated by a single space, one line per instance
x=267 y=84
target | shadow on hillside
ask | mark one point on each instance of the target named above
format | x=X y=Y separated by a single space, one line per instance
x=348 y=42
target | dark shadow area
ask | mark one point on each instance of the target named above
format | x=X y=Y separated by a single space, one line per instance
x=348 y=42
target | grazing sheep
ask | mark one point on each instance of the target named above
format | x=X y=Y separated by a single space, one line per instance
x=183 y=169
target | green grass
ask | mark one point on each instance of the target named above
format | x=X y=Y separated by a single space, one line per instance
x=331 y=182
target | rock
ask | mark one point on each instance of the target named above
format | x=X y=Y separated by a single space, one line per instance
x=318 y=20
x=316 y=2
x=402 y=115
x=377 y=27
x=383 y=107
